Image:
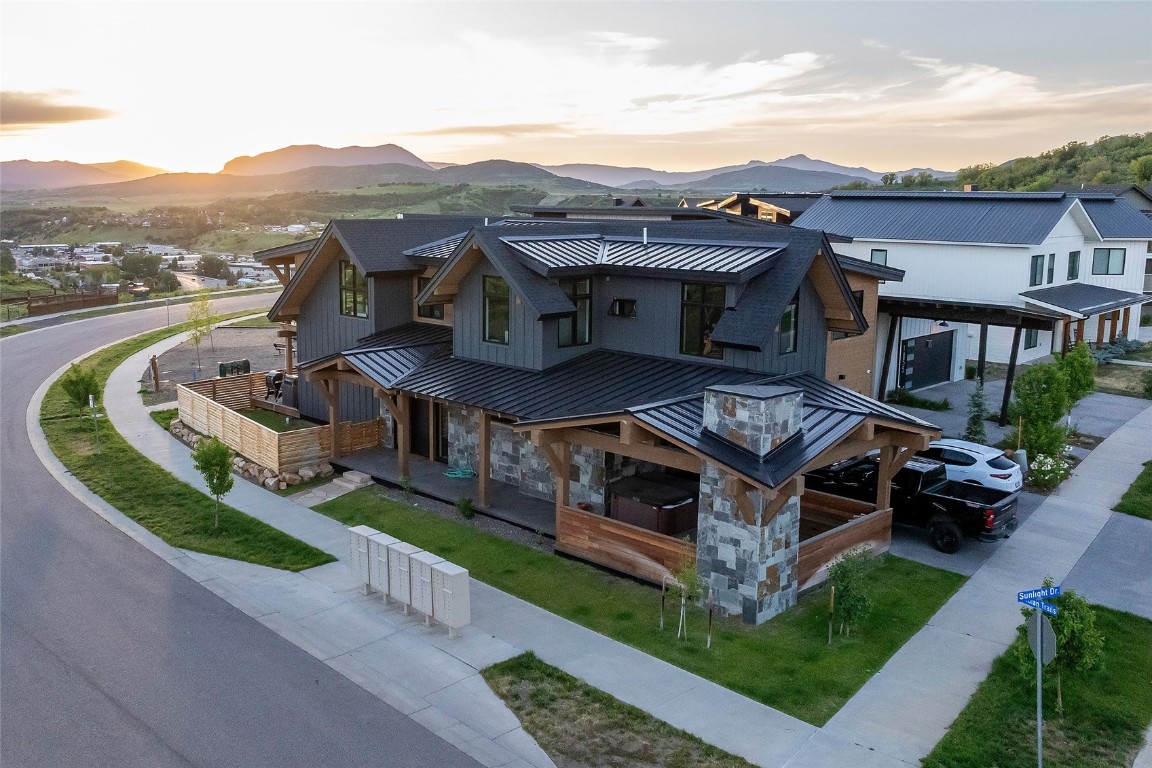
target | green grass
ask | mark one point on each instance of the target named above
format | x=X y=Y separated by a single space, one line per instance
x=1106 y=712
x=164 y=417
x=580 y=725
x=1137 y=500
x=277 y=422
x=901 y=396
x=795 y=670
x=254 y=322
x=176 y=512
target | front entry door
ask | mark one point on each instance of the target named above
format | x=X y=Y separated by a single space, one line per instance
x=418 y=422
x=440 y=412
x=926 y=360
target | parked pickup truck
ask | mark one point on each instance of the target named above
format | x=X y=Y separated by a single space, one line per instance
x=923 y=496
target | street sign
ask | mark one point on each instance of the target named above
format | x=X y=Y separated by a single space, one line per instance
x=1040 y=605
x=1045 y=651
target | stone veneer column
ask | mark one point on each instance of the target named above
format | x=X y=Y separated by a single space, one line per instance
x=463 y=436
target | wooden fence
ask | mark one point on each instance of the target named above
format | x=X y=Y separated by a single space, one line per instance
x=210 y=407
x=622 y=547
x=873 y=530
x=63 y=302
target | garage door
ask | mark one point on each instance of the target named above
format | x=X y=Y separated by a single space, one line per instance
x=926 y=360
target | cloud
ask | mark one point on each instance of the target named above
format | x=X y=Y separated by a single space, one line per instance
x=23 y=109
x=501 y=131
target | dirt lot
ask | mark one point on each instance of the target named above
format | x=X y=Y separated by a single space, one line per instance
x=178 y=365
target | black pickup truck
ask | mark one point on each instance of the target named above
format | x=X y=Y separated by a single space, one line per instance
x=923 y=496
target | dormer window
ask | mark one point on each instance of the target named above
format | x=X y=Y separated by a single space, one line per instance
x=353 y=291
x=429 y=311
x=496 y=310
x=786 y=330
x=576 y=329
x=700 y=309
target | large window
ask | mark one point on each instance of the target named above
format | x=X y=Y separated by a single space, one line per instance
x=430 y=311
x=700 y=309
x=1037 y=276
x=353 y=291
x=1074 y=265
x=576 y=329
x=1031 y=338
x=1051 y=267
x=786 y=330
x=1108 y=261
x=880 y=256
x=496 y=308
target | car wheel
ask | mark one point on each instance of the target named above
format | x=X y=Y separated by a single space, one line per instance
x=946 y=536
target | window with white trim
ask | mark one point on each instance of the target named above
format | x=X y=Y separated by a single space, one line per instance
x=1108 y=261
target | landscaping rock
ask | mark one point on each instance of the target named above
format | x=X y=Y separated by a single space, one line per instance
x=307 y=473
x=291 y=478
x=326 y=470
x=283 y=485
x=272 y=483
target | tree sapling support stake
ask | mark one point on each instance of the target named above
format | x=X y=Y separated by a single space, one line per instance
x=709 y=643
x=831 y=609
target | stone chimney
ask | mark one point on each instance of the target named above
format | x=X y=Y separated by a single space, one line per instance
x=752 y=416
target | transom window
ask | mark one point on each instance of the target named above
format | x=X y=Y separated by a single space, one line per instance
x=1051 y=267
x=1108 y=261
x=1037 y=276
x=700 y=309
x=622 y=308
x=786 y=329
x=880 y=256
x=576 y=329
x=430 y=311
x=496 y=310
x=1074 y=265
x=353 y=291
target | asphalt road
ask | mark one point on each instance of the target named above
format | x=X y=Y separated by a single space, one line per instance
x=111 y=657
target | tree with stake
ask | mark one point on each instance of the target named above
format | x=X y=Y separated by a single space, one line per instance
x=847 y=574
x=80 y=384
x=1080 y=368
x=201 y=319
x=213 y=460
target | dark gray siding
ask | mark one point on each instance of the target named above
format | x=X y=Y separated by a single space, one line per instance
x=391 y=302
x=811 y=342
x=321 y=331
x=524 y=331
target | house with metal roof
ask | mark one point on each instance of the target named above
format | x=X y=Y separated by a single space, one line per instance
x=1006 y=277
x=660 y=385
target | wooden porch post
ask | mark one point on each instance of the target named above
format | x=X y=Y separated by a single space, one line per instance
x=1100 y=331
x=1011 y=375
x=1080 y=332
x=982 y=356
x=484 y=459
x=884 y=480
x=1067 y=345
x=404 y=431
x=563 y=474
x=289 y=356
x=1115 y=322
x=432 y=439
x=888 y=346
x=1127 y=319
x=334 y=415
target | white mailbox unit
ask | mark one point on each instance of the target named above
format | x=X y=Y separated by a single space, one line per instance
x=358 y=559
x=399 y=570
x=451 y=596
x=378 y=544
x=422 y=563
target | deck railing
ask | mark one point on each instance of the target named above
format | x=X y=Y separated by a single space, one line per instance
x=846 y=524
x=620 y=546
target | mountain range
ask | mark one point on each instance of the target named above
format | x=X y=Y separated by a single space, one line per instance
x=314 y=167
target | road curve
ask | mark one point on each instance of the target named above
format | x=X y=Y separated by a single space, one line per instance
x=111 y=657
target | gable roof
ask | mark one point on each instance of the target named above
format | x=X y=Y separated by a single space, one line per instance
x=1115 y=218
x=1084 y=299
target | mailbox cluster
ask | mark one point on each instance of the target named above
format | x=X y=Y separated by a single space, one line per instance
x=414 y=578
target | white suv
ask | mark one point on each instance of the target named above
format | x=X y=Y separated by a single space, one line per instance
x=975 y=463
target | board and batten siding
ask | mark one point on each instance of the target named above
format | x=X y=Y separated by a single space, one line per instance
x=524 y=330
x=322 y=331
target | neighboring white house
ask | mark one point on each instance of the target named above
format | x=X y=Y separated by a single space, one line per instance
x=1048 y=268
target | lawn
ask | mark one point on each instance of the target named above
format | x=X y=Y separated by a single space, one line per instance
x=580 y=725
x=1106 y=712
x=1137 y=500
x=176 y=512
x=277 y=422
x=796 y=671
x=1119 y=379
x=254 y=322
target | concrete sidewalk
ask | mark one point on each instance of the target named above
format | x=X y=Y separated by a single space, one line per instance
x=894 y=720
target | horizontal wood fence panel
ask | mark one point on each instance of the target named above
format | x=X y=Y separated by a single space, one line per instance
x=873 y=530
x=622 y=547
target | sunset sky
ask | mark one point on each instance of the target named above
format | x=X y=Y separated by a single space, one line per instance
x=668 y=85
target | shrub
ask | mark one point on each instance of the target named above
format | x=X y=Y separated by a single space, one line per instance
x=901 y=396
x=78 y=383
x=851 y=604
x=1080 y=369
x=1046 y=472
x=1146 y=377
x=1039 y=402
x=464 y=507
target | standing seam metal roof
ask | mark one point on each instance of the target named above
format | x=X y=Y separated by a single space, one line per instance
x=681 y=255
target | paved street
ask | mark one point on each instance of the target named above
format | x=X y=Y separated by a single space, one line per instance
x=111 y=657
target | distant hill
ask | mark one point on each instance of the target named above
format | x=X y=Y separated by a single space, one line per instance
x=56 y=174
x=509 y=172
x=298 y=157
x=776 y=178
x=636 y=177
x=1110 y=160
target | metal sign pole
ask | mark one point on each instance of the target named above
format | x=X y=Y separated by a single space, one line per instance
x=1039 y=690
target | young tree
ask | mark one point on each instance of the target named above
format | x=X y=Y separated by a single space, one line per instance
x=1039 y=402
x=851 y=604
x=974 y=430
x=7 y=260
x=78 y=383
x=1080 y=368
x=201 y=319
x=213 y=460
x=1079 y=644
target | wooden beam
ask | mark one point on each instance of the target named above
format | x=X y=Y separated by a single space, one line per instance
x=404 y=432
x=1011 y=376
x=484 y=459
x=1115 y=322
x=884 y=478
x=543 y=443
x=794 y=486
x=632 y=433
x=889 y=346
x=1100 y=331
x=334 y=416
x=564 y=476
x=982 y=357
x=1125 y=321
x=737 y=489
x=289 y=354
x=667 y=457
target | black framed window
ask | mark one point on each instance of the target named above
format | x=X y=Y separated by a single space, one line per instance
x=622 y=308
x=497 y=307
x=1073 y=265
x=1051 y=267
x=576 y=329
x=1108 y=261
x=430 y=311
x=700 y=308
x=353 y=291
x=1031 y=338
x=880 y=256
x=1037 y=276
x=786 y=329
